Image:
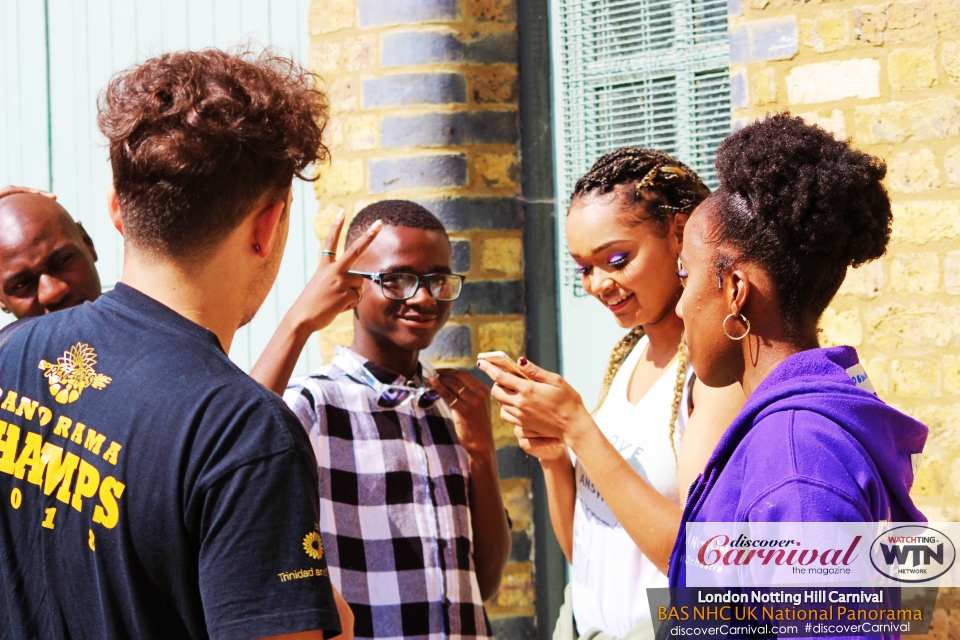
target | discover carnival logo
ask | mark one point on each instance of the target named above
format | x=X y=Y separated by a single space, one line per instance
x=912 y=553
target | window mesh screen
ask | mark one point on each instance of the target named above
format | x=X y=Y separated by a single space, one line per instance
x=650 y=73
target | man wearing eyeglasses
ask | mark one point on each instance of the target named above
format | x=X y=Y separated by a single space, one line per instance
x=411 y=514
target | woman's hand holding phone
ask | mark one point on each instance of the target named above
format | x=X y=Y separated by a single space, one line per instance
x=546 y=411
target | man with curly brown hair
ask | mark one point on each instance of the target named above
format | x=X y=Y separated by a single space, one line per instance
x=150 y=488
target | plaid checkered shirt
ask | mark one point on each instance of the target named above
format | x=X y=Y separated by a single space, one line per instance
x=394 y=509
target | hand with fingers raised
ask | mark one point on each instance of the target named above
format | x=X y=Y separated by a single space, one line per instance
x=332 y=289
x=546 y=410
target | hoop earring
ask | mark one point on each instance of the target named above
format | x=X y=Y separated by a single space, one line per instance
x=742 y=319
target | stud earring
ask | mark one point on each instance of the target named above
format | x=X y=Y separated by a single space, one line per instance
x=256 y=248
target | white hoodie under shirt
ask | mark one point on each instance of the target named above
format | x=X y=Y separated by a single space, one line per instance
x=610 y=574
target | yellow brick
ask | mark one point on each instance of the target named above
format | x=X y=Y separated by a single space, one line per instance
x=951 y=375
x=497 y=171
x=835 y=123
x=517 y=588
x=503 y=254
x=841 y=327
x=912 y=69
x=502 y=11
x=518 y=501
x=360 y=52
x=865 y=281
x=829 y=32
x=495 y=84
x=870 y=22
x=506 y=335
x=894 y=326
x=951 y=272
x=758 y=5
x=914 y=172
x=325 y=57
x=763 y=85
x=341 y=178
x=343 y=94
x=931 y=119
x=929 y=480
x=324 y=220
x=327 y=16
x=878 y=370
x=942 y=419
x=911 y=21
x=922 y=222
x=333 y=134
x=915 y=273
x=950 y=58
x=915 y=379
x=951 y=162
x=948 y=16
x=340 y=332
x=360 y=132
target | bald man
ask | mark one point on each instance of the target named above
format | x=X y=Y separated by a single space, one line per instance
x=46 y=258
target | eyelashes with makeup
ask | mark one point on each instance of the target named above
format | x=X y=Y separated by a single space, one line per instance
x=618 y=261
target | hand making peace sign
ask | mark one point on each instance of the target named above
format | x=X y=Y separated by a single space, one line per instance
x=332 y=289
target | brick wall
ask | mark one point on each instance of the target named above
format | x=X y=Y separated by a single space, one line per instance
x=886 y=75
x=424 y=100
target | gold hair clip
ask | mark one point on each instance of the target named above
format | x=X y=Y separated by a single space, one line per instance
x=672 y=172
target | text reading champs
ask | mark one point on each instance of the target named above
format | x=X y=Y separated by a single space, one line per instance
x=46 y=464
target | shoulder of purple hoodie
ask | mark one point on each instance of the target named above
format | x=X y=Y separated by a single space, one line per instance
x=797 y=465
x=821 y=389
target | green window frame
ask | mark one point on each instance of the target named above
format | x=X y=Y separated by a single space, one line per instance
x=651 y=73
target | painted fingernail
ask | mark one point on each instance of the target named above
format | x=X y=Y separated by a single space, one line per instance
x=478 y=364
x=523 y=362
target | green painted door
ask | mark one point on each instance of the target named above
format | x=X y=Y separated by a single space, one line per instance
x=55 y=58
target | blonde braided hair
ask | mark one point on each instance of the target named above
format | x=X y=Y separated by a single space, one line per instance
x=620 y=354
x=676 y=188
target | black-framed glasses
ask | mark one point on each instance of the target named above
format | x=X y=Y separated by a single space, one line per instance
x=445 y=287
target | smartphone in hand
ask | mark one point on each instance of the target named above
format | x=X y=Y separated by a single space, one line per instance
x=505 y=362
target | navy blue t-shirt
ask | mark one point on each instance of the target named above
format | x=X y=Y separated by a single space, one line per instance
x=148 y=487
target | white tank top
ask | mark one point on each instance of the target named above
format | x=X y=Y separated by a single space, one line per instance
x=610 y=573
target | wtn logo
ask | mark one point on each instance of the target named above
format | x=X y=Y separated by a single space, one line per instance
x=912 y=553
x=899 y=554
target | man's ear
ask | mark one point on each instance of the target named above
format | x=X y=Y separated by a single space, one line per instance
x=266 y=225
x=4 y=307
x=738 y=291
x=87 y=240
x=113 y=208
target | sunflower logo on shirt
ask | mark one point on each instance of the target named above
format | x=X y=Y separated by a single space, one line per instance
x=73 y=373
x=313 y=545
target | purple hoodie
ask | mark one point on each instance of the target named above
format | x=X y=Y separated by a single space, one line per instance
x=810 y=445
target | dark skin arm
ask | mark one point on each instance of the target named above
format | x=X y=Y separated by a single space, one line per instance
x=469 y=399
x=329 y=292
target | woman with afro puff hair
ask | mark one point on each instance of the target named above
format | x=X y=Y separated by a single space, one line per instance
x=762 y=257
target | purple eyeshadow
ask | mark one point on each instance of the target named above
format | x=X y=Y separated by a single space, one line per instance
x=617 y=257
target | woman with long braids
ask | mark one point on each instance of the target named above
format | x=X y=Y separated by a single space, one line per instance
x=616 y=509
